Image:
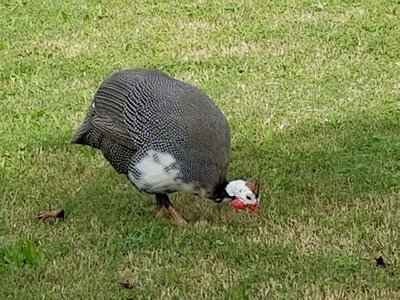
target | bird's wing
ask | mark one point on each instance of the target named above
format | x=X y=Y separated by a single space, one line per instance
x=109 y=104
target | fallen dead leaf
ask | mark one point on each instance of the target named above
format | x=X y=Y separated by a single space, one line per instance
x=125 y=283
x=51 y=214
x=380 y=262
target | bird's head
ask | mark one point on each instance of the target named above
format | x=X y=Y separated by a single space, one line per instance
x=244 y=194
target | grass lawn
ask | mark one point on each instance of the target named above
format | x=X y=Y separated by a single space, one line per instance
x=312 y=92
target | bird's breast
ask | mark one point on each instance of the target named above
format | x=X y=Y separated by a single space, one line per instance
x=159 y=172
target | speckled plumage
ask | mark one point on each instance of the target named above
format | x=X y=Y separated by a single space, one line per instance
x=140 y=112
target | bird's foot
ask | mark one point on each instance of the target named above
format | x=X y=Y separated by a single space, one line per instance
x=160 y=212
x=178 y=219
x=164 y=205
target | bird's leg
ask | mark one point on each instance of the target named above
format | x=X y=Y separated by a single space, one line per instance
x=161 y=208
x=164 y=203
x=176 y=216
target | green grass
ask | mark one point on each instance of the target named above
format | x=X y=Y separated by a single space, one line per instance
x=312 y=92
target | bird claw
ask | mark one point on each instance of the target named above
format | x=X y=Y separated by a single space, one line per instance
x=177 y=217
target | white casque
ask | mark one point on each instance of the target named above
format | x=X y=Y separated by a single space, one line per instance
x=240 y=190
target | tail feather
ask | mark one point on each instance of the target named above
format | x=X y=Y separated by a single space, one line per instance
x=80 y=135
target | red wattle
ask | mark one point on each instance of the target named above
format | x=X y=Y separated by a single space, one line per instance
x=236 y=203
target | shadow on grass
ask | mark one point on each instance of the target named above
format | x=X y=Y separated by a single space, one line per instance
x=311 y=165
x=328 y=163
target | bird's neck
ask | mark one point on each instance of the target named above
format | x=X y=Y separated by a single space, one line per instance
x=220 y=192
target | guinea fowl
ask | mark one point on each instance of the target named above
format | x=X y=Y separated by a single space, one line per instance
x=166 y=136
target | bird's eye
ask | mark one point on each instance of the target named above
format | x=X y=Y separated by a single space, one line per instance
x=248 y=197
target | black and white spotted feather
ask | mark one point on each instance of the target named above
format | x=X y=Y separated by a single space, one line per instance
x=164 y=134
